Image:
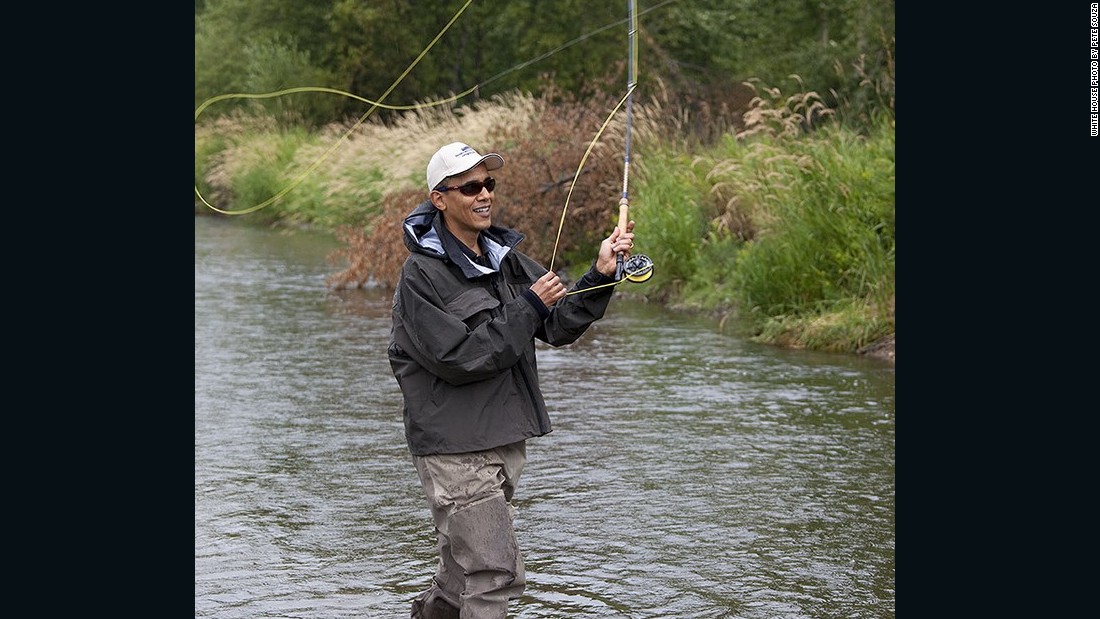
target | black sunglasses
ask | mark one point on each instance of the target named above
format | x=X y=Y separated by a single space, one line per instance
x=472 y=188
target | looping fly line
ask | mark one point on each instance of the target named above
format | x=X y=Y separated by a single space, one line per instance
x=343 y=138
x=641 y=267
x=374 y=105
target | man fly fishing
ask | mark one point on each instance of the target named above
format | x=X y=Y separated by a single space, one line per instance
x=467 y=309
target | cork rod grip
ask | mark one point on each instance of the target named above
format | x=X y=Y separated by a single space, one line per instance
x=623 y=208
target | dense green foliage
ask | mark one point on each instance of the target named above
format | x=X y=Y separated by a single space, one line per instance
x=795 y=233
x=829 y=249
x=698 y=47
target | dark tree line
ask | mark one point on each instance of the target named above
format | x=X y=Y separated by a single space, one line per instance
x=701 y=48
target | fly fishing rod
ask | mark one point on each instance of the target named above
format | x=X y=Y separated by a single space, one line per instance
x=638 y=268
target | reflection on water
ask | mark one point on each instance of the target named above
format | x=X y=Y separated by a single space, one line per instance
x=690 y=474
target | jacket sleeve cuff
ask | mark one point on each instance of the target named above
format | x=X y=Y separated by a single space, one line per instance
x=596 y=278
x=536 y=303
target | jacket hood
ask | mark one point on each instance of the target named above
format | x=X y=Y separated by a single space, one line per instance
x=424 y=233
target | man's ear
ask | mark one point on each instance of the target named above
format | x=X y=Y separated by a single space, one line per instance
x=437 y=199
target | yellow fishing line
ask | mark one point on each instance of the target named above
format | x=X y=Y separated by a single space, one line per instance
x=587 y=152
x=279 y=93
x=644 y=265
x=638 y=276
x=343 y=138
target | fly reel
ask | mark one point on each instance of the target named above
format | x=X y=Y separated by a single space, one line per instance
x=638 y=268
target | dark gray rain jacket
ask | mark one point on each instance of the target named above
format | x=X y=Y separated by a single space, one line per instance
x=462 y=346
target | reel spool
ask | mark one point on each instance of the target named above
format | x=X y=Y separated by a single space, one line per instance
x=638 y=268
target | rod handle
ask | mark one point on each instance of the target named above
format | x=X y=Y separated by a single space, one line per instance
x=624 y=207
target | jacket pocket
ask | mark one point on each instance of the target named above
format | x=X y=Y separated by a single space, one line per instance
x=469 y=303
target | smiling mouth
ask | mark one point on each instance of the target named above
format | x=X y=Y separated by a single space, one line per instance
x=481 y=210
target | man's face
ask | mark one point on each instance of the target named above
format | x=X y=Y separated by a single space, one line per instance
x=466 y=216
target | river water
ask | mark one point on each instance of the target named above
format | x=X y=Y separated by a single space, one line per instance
x=690 y=474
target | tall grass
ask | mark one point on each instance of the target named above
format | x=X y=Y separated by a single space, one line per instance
x=784 y=220
x=788 y=224
x=817 y=267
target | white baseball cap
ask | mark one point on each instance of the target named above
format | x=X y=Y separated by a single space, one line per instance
x=456 y=158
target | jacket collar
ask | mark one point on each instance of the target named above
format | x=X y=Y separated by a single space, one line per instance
x=425 y=233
